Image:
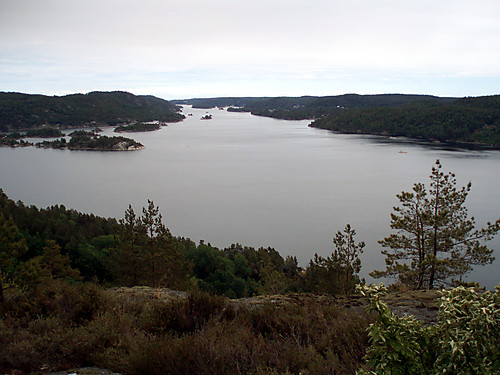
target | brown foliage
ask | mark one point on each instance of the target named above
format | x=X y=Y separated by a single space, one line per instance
x=64 y=326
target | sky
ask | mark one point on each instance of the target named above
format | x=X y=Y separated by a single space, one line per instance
x=209 y=48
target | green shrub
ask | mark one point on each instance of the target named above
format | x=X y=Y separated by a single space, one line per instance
x=464 y=341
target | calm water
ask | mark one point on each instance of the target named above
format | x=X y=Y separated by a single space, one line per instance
x=256 y=181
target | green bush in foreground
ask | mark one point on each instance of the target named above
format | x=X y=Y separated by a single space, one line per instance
x=464 y=341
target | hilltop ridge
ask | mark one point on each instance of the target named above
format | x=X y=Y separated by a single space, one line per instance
x=26 y=111
x=471 y=122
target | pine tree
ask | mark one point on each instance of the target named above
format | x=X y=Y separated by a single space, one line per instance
x=12 y=248
x=346 y=255
x=435 y=239
x=338 y=273
x=147 y=253
x=159 y=246
x=126 y=261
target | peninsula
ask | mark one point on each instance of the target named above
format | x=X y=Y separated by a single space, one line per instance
x=470 y=122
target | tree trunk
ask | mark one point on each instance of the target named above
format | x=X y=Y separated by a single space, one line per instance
x=435 y=244
x=421 y=250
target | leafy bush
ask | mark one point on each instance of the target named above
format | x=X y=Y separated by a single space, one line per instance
x=464 y=341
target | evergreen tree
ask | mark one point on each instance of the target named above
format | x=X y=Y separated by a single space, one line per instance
x=147 y=254
x=166 y=265
x=126 y=261
x=346 y=255
x=435 y=239
x=56 y=265
x=338 y=273
x=12 y=249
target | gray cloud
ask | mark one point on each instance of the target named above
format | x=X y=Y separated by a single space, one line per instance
x=209 y=46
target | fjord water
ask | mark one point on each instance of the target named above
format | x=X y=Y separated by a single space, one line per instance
x=255 y=180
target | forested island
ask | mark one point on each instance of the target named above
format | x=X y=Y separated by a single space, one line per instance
x=472 y=122
x=14 y=139
x=138 y=127
x=84 y=141
x=79 y=140
x=23 y=111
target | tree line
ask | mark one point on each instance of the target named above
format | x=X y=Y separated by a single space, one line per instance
x=140 y=250
x=434 y=244
x=23 y=111
x=466 y=122
x=308 y=107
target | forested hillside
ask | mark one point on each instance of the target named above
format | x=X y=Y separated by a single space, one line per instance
x=467 y=121
x=23 y=111
x=307 y=107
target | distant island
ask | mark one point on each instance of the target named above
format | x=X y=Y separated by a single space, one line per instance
x=138 y=127
x=88 y=141
x=472 y=122
x=14 y=140
x=80 y=140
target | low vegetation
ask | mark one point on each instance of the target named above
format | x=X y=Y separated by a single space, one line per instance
x=59 y=326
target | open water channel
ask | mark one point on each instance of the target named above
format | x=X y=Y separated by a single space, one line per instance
x=256 y=181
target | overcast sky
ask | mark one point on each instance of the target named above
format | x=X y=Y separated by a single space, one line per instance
x=207 y=48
